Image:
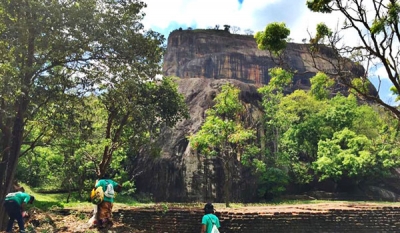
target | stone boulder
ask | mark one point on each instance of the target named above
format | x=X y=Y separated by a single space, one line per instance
x=180 y=174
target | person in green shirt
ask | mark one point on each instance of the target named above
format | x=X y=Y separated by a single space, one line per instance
x=14 y=204
x=104 y=209
x=209 y=219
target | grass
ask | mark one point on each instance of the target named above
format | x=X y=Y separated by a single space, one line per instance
x=47 y=202
x=59 y=201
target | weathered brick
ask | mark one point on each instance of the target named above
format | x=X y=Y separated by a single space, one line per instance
x=335 y=220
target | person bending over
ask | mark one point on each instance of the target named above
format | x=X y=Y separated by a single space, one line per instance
x=14 y=204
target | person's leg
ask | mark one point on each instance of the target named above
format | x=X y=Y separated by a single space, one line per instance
x=101 y=213
x=21 y=223
x=109 y=214
x=104 y=210
x=10 y=224
x=14 y=212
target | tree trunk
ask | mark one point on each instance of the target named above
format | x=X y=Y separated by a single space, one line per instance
x=3 y=216
x=21 y=106
x=109 y=150
x=5 y=126
x=227 y=181
x=12 y=160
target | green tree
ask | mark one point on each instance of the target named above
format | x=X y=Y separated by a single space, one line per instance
x=139 y=109
x=223 y=134
x=78 y=135
x=320 y=86
x=322 y=32
x=227 y=27
x=49 y=48
x=272 y=95
x=377 y=27
x=52 y=162
x=272 y=177
x=274 y=39
x=301 y=128
x=304 y=119
x=356 y=156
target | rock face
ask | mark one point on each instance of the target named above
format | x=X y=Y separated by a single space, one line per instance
x=205 y=60
x=220 y=55
x=182 y=175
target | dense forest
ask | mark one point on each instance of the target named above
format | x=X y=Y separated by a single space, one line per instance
x=79 y=100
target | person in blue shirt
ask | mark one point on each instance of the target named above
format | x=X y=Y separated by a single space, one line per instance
x=14 y=204
x=209 y=219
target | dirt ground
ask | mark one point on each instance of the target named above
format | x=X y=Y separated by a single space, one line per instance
x=76 y=220
x=66 y=221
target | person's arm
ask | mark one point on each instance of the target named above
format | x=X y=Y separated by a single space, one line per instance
x=25 y=201
x=203 y=224
x=203 y=228
x=23 y=211
x=118 y=188
x=23 y=204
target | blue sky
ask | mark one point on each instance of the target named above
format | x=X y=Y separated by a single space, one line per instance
x=165 y=16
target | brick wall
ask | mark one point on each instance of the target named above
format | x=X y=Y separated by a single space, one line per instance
x=176 y=220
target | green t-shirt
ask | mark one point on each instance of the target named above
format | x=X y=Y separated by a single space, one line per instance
x=208 y=219
x=19 y=197
x=103 y=183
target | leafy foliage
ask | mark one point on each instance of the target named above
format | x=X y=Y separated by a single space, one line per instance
x=222 y=126
x=223 y=134
x=273 y=38
x=322 y=32
x=320 y=85
x=77 y=84
x=268 y=168
x=78 y=138
x=321 y=137
x=350 y=155
x=377 y=27
x=272 y=182
x=320 y=5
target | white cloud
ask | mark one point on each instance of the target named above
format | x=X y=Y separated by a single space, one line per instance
x=203 y=13
x=252 y=14
x=380 y=72
x=160 y=13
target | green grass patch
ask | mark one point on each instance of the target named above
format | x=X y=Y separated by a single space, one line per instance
x=49 y=201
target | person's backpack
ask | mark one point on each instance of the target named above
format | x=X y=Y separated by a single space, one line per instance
x=109 y=190
x=214 y=228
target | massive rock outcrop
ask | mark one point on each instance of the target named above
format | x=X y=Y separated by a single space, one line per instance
x=220 y=55
x=205 y=60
